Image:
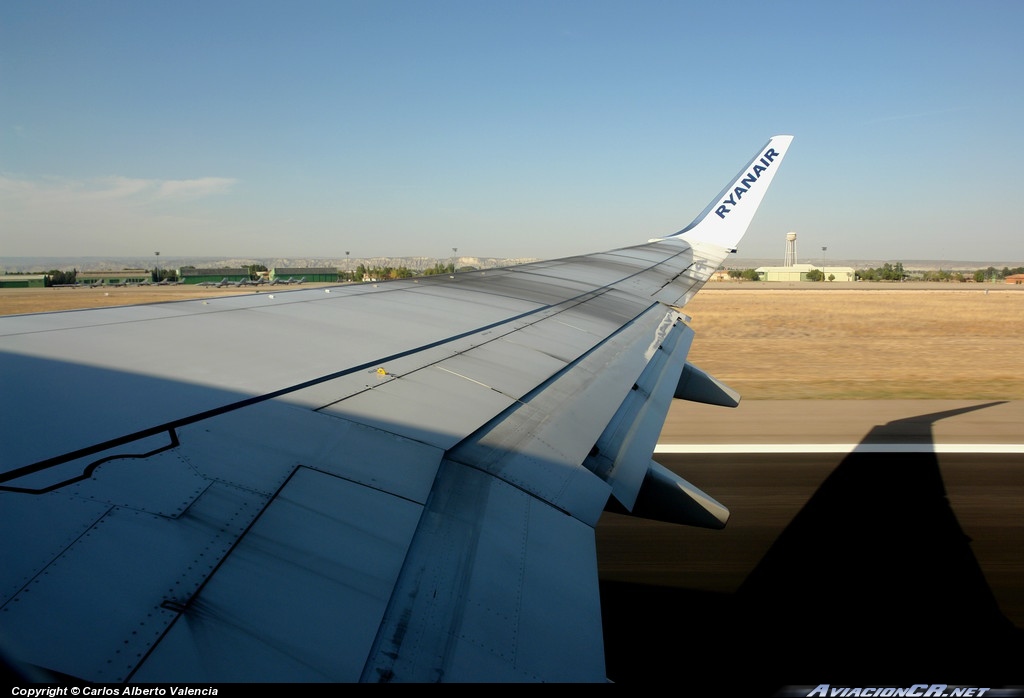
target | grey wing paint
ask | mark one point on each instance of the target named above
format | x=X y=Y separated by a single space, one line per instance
x=400 y=483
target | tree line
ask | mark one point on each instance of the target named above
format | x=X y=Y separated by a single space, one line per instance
x=896 y=272
x=56 y=277
x=366 y=273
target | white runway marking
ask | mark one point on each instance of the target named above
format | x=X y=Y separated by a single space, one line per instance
x=840 y=448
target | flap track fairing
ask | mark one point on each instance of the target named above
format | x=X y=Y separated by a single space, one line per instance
x=696 y=386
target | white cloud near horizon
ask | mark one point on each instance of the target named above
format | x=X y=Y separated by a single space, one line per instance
x=61 y=215
x=194 y=188
x=45 y=190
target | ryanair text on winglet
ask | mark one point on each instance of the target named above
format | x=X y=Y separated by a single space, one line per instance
x=746 y=182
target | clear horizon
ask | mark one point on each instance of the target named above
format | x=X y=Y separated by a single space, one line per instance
x=523 y=130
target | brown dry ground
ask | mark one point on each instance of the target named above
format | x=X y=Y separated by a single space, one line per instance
x=41 y=300
x=854 y=341
x=940 y=342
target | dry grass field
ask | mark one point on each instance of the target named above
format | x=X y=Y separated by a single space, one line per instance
x=767 y=342
x=41 y=300
x=941 y=342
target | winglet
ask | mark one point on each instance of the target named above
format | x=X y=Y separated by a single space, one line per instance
x=726 y=219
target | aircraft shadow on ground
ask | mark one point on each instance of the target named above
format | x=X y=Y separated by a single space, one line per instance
x=873 y=581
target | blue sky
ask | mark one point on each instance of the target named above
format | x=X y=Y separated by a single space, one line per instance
x=510 y=129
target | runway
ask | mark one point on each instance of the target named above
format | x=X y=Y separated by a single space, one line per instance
x=868 y=542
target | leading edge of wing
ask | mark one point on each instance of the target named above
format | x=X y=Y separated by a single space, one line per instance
x=725 y=220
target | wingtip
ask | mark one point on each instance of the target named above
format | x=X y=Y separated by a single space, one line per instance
x=726 y=219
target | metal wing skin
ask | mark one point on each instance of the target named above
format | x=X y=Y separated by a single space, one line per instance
x=399 y=482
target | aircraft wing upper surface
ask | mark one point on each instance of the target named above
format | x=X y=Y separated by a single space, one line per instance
x=399 y=482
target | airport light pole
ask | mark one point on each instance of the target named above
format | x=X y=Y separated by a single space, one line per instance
x=823 y=250
x=455 y=251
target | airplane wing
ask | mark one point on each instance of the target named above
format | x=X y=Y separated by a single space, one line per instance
x=400 y=482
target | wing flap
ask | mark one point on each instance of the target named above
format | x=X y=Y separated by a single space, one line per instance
x=541 y=443
x=623 y=451
x=476 y=601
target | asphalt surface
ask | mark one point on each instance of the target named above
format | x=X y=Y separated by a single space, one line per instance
x=895 y=564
